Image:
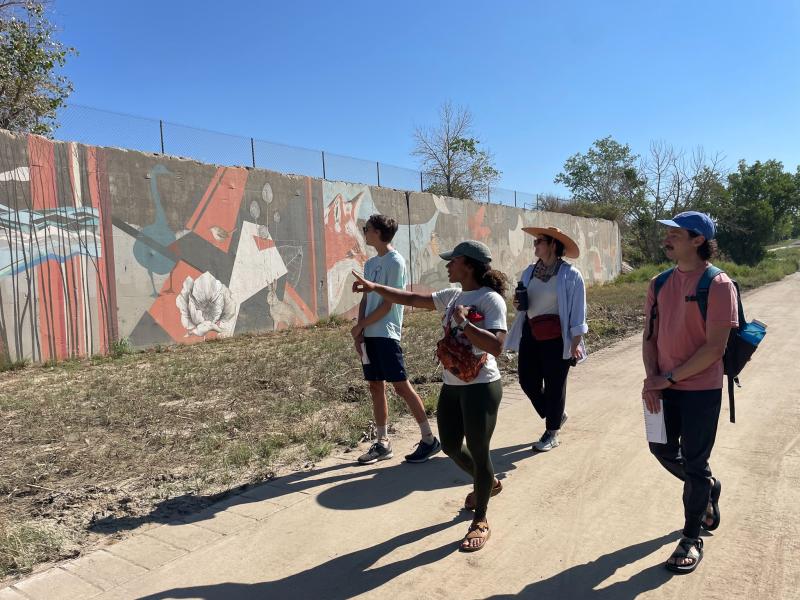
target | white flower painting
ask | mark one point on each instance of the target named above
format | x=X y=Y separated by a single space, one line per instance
x=205 y=305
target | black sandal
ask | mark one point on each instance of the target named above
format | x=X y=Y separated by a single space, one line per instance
x=716 y=490
x=687 y=548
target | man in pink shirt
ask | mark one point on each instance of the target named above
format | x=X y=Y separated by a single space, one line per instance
x=683 y=362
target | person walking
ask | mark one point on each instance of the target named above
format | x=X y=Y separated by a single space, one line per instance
x=682 y=355
x=377 y=341
x=474 y=322
x=549 y=328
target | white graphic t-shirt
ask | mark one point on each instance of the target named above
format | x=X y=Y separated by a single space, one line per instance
x=486 y=302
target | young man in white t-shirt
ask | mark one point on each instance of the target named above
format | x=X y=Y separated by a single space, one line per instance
x=378 y=329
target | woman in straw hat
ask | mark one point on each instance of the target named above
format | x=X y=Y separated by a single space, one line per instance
x=474 y=321
x=549 y=327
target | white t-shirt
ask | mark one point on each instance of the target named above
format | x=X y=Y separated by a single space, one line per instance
x=542 y=297
x=493 y=308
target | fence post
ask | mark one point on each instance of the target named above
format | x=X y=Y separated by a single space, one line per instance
x=421 y=189
x=323 y=164
x=488 y=194
x=515 y=198
x=253 y=151
x=378 y=168
x=161 y=129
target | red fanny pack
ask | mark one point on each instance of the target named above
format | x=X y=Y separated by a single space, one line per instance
x=545 y=327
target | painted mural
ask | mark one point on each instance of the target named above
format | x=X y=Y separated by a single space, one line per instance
x=100 y=244
x=56 y=265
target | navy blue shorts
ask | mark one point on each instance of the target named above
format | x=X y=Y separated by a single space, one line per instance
x=385 y=360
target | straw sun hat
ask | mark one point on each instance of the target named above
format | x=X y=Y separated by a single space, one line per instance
x=570 y=247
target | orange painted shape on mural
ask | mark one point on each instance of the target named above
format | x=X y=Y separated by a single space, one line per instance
x=102 y=287
x=263 y=243
x=215 y=218
x=298 y=301
x=164 y=310
x=41 y=158
x=74 y=270
x=74 y=286
x=341 y=237
x=476 y=227
x=50 y=285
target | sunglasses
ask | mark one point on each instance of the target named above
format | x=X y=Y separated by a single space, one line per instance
x=538 y=241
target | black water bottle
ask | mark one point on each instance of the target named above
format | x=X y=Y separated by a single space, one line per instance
x=521 y=296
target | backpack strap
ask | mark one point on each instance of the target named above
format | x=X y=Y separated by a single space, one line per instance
x=703 y=286
x=658 y=283
x=701 y=297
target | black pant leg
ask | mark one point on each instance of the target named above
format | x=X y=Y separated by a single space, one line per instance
x=700 y=416
x=556 y=370
x=450 y=421
x=669 y=454
x=530 y=371
x=480 y=403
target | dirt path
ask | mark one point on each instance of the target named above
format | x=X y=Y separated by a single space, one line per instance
x=594 y=518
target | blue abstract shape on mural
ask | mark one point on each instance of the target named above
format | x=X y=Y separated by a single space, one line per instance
x=158 y=231
x=29 y=238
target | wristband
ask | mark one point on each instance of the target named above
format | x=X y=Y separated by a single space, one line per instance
x=668 y=377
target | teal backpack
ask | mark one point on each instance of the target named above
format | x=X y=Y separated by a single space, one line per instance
x=742 y=341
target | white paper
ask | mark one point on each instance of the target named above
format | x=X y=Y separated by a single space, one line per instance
x=364 y=357
x=654 y=426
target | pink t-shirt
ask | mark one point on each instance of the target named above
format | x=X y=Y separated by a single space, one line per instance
x=680 y=327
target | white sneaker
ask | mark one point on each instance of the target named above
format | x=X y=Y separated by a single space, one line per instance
x=548 y=442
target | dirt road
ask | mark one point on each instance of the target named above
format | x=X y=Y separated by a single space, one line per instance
x=595 y=518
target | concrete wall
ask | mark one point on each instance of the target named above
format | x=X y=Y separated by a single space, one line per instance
x=99 y=244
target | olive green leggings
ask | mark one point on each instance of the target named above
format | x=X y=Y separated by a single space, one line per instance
x=470 y=411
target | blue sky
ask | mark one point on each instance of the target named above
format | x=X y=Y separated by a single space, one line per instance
x=543 y=79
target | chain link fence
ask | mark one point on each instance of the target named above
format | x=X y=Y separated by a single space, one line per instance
x=99 y=127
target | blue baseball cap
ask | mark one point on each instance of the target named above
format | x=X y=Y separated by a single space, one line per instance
x=698 y=222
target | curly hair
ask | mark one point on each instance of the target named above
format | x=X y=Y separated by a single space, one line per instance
x=706 y=250
x=385 y=226
x=486 y=276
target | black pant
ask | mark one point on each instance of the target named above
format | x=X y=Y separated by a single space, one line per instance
x=470 y=411
x=691 y=422
x=542 y=374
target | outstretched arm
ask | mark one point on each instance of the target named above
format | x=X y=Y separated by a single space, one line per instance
x=393 y=295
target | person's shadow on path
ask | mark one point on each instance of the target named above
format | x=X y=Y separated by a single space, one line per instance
x=360 y=487
x=349 y=575
x=342 y=577
x=580 y=581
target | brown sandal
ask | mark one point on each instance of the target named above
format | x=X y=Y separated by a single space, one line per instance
x=479 y=530
x=469 y=501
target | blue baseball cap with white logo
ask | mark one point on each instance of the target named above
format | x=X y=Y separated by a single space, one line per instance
x=698 y=222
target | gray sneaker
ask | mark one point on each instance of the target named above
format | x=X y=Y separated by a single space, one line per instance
x=548 y=442
x=375 y=453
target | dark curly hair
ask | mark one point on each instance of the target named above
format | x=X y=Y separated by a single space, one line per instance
x=487 y=276
x=385 y=226
x=706 y=250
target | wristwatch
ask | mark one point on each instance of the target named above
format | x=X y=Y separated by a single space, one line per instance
x=668 y=377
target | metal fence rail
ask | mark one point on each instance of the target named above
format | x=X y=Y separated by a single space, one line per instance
x=99 y=127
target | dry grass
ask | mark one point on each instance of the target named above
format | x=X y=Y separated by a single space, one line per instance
x=93 y=447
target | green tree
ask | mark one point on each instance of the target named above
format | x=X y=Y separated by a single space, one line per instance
x=449 y=156
x=761 y=207
x=605 y=180
x=31 y=89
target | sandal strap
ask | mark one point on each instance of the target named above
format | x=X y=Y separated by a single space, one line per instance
x=686 y=545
